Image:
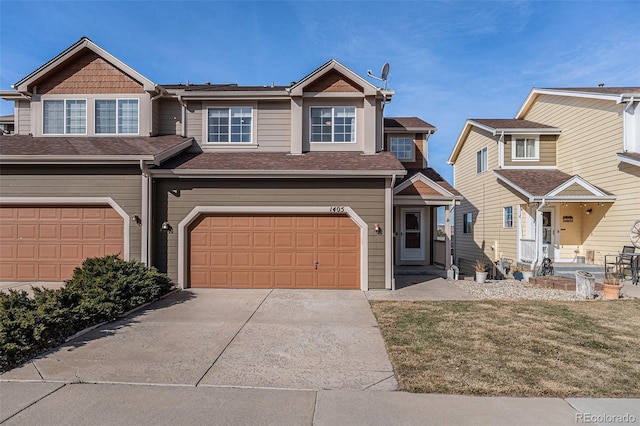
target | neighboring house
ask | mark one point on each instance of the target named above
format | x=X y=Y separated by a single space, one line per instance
x=6 y=125
x=216 y=185
x=560 y=180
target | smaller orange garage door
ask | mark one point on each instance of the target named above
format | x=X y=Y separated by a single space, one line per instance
x=282 y=251
x=45 y=243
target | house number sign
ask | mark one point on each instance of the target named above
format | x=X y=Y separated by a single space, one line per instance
x=336 y=209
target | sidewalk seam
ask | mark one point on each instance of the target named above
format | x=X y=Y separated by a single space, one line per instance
x=33 y=403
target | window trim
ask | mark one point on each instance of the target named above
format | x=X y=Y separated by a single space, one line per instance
x=333 y=116
x=506 y=225
x=64 y=116
x=95 y=116
x=467 y=224
x=252 y=136
x=484 y=152
x=536 y=147
x=412 y=157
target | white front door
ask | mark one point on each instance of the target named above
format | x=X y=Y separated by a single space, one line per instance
x=549 y=234
x=412 y=236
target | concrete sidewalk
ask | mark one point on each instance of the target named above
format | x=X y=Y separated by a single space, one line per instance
x=117 y=404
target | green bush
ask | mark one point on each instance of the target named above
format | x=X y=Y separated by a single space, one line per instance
x=103 y=289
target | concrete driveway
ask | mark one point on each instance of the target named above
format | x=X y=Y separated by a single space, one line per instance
x=286 y=339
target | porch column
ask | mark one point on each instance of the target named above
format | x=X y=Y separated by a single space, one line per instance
x=447 y=238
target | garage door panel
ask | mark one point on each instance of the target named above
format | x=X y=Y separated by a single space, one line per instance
x=26 y=272
x=27 y=213
x=8 y=251
x=48 y=252
x=48 y=272
x=27 y=232
x=70 y=232
x=92 y=232
x=26 y=252
x=267 y=251
x=7 y=271
x=112 y=233
x=70 y=251
x=49 y=232
x=7 y=230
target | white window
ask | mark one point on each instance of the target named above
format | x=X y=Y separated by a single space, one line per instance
x=402 y=148
x=481 y=160
x=507 y=217
x=333 y=124
x=525 y=148
x=116 y=116
x=68 y=116
x=467 y=223
x=232 y=125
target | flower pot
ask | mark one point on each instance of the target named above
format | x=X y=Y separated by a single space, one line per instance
x=611 y=291
x=481 y=277
x=526 y=275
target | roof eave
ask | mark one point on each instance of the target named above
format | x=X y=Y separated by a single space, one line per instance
x=277 y=173
x=628 y=160
x=533 y=94
x=75 y=159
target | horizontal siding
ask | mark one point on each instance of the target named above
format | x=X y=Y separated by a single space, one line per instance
x=547 y=153
x=274 y=126
x=174 y=199
x=22 y=116
x=591 y=136
x=169 y=116
x=66 y=181
x=194 y=121
x=484 y=198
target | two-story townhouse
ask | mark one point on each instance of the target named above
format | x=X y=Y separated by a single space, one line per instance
x=560 y=180
x=217 y=185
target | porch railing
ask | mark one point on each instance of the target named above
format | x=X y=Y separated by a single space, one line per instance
x=527 y=250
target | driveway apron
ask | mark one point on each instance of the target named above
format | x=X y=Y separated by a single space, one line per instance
x=289 y=339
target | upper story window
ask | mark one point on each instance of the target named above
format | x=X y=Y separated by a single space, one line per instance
x=333 y=124
x=116 y=116
x=231 y=125
x=481 y=160
x=68 y=116
x=402 y=148
x=525 y=149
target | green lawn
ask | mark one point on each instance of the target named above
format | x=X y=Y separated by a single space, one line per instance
x=518 y=348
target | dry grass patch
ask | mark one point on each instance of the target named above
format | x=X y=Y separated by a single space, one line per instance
x=519 y=348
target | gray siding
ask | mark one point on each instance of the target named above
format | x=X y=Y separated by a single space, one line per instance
x=22 y=115
x=174 y=199
x=123 y=184
x=274 y=126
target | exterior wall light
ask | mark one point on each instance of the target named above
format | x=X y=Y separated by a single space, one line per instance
x=136 y=218
x=589 y=211
x=166 y=227
x=377 y=228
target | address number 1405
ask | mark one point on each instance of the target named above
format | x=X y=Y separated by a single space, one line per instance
x=336 y=209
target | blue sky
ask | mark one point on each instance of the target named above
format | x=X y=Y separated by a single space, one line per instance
x=450 y=60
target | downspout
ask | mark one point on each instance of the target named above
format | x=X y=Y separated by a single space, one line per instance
x=501 y=150
x=389 y=234
x=538 y=233
x=146 y=213
x=425 y=150
x=184 y=116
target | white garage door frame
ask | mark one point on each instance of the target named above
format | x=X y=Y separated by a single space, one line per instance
x=200 y=210
x=80 y=201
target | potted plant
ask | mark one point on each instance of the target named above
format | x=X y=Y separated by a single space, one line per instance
x=526 y=274
x=481 y=270
x=612 y=286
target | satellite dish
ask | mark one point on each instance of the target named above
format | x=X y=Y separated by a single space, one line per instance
x=385 y=71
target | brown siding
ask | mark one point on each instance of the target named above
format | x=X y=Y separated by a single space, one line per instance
x=124 y=186
x=88 y=73
x=547 y=152
x=174 y=199
x=333 y=81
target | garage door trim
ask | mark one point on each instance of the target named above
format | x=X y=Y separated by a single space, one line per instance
x=43 y=201
x=199 y=210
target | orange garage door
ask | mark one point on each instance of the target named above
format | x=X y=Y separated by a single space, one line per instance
x=45 y=243
x=281 y=251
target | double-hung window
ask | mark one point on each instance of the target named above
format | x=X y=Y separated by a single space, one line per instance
x=333 y=124
x=402 y=148
x=481 y=160
x=507 y=217
x=64 y=116
x=116 y=116
x=525 y=149
x=232 y=125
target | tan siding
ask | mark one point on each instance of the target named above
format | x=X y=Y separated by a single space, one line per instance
x=195 y=115
x=274 y=126
x=88 y=73
x=485 y=198
x=169 y=113
x=22 y=116
x=67 y=181
x=591 y=136
x=547 y=153
x=174 y=199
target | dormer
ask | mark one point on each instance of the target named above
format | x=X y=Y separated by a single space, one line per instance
x=407 y=138
x=334 y=109
x=84 y=91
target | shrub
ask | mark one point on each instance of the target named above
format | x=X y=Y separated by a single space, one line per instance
x=103 y=289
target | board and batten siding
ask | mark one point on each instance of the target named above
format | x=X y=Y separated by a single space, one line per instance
x=174 y=199
x=484 y=198
x=273 y=125
x=592 y=134
x=122 y=184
